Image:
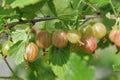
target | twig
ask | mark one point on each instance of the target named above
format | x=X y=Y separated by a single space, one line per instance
x=89 y=17
x=4 y=58
x=5 y=77
x=85 y=18
x=113 y=7
x=8 y=65
x=10 y=25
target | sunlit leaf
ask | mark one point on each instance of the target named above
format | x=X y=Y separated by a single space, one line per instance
x=17 y=51
x=74 y=69
x=41 y=70
x=100 y=3
x=19 y=35
x=22 y=3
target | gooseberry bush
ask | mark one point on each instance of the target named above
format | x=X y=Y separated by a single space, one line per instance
x=60 y=39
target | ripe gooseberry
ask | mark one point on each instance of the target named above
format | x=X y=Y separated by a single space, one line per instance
x=112 y=35
x=59 y=39
x=44 y=40
x=117 y=39
x=74 y=37
x=98 y=30
x=31 y=52
x=90 y=45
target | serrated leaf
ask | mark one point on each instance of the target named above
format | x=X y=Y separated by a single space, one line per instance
x=59 y=56
x=60 y=5
x=63 y=9
x=19 y=35
x=116 y=67
x=75 y=69
x=17 y=52
x=22 y=3
x=41 y=70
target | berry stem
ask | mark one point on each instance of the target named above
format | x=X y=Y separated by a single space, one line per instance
x=27 y=65
x=44 y=52
x=104 y=39
x=95 y=54
x=81 y=43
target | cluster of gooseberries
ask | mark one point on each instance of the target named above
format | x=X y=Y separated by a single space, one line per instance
x=84 y=38
x=61 y=38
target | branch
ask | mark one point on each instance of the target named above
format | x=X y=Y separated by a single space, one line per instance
x=88 y=17
x=10 y=78
x=85 y=18
x=10 y=25
x=4 y=58
x=4 y=77
x=8 y=65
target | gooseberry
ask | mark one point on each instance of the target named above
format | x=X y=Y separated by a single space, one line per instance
x=59 y=39
x=31 y=52
x=98 y=30
x=74 y=37
x=90 y=44
x=112 y=35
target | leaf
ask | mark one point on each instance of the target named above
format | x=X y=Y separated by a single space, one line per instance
x=19 y=35
x=116 y=67
x=32 y=10
x=63 y=10
x=52 y=7
x=23 y=3
x=6 y=2
x=76 y=3
x=5 y=12
x=60 y=5
x=17 y=52
x=59 y=56
x=75 y=69
x=100 y=3
x=40 y=70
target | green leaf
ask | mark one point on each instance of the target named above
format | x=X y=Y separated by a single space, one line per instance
x=33 y=10
x=17 y=52
x=61 y=5
x=75 y=69
x=40 y=70
x=59 y=56
x=5 y=12
x=52 y=7
x=116 y=67
x=100 y=3
x=6 y=2
x=23 y=3
x=76 y=3
x=19 y=35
